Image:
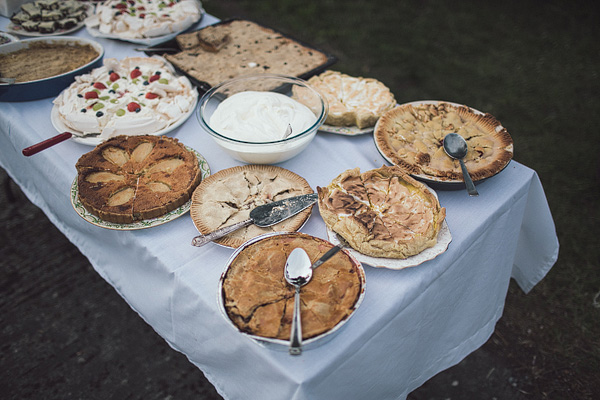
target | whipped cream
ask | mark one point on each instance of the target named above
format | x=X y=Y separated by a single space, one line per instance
x=133 y=96
x=260 y=116
x=138 y=19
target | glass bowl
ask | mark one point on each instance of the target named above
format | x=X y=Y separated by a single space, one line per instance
x=259 y=138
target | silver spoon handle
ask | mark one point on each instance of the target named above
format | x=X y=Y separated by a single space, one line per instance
x=201 y=240
x=296 y=334
x=468 y=181
x=330 y=253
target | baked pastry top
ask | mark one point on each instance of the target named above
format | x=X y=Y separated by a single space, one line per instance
x=132 y=178
x=238 y=47
x=229 y=195
x=412 y=137
x=353 y=101
x=259 y=301
x=382 y=212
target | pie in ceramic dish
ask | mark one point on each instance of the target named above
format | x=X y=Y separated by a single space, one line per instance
x=144 y=18
x=259 y=301
x=229 y=195
x=412 y=136
x=383 y=212
x=353 y=101
x=132 y=178
x=133 y=96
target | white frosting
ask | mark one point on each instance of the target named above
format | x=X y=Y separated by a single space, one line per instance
x=137 y=19
x=109 y=113
x=260 y=116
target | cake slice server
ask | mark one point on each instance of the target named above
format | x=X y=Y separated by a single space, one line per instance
x=61 y=137
x=263 y=216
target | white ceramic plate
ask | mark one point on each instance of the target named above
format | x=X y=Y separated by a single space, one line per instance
x=94 y=140
x=147 y=223
x=345 y=130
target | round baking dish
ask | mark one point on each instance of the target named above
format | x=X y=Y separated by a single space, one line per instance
x=47 y=87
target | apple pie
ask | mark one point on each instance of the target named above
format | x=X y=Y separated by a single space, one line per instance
x=412 y=136
x=382 y=212
x=259 y=301
x=133 y=178
x=229 y=195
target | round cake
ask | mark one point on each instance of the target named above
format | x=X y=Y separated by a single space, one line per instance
x=259 y=301
x=382 y=212
x=141 y=19
x=412 y=137
x=134 y=96
x=229 y=195
x=132 y=178
x=353 y=101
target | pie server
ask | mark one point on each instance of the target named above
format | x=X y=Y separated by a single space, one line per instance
x=61 y=137
x=265 y=215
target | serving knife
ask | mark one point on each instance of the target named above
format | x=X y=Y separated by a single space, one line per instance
x=61 y=137
x=263 y=216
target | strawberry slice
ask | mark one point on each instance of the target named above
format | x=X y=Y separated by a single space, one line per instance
x=154 y=77
x=121 y=6
x=135 y=73
x=90 y=95
x=113 y=76
x=133 y=107
x=151 y=96
x=99 y=85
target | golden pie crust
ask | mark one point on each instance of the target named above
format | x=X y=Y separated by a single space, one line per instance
x=382 y=212
x=229 y=195
x=411 y=136
x=259 y=301
x=353 y=101
x=132 y=178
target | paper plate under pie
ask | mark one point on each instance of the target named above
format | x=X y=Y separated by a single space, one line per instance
x=229 y=195
x=411 y=136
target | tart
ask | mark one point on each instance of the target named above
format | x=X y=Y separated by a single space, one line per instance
x=412 y=136
x=133 y=178
x=353 y=101
x=229 y=195
x=136 y=95
x=259 y=301
x=142 y=19
x=383 y=212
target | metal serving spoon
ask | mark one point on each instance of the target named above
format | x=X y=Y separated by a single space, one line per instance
x=456 y=147
x=298 y=272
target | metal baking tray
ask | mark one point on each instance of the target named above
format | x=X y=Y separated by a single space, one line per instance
x=171 y=47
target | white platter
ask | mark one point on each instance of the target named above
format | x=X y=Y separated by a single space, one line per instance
x=17 y=30
x=143 y=224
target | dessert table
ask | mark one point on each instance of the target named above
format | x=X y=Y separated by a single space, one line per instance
x=412 y=324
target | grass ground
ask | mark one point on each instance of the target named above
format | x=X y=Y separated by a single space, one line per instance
x=535 y=66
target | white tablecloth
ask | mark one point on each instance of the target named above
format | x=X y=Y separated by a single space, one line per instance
x=412 y=324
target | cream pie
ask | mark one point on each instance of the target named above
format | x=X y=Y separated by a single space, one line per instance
x=133 y=96
x=382 y=212
x=229 y=195
x=131 y=178
x=353 y=101
x=259 y=301
x=412 y=136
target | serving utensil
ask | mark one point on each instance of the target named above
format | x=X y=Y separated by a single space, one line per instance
x=263 y=216
x=330 y=253
x=9 y=81
x=456 y=147
x=297 y=273
x=61 y=137
x=288 y=131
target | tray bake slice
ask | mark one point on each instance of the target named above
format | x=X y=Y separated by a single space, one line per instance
x=382 y=212
x=133 y=178
x=411 y=136
x=229 y=195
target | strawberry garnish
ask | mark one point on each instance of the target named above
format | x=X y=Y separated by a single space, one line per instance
x=151 y=96
x=135 y=73
x=153 y=78
x=91 y=95
x=99 y=85
x=113 y=76
x=121 y=6
x=133 y=106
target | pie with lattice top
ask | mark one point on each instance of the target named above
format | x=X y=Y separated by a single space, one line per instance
x=382 y=212
x=411 y=136
x=133 y=178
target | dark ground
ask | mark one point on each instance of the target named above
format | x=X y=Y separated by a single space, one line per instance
x=66 y=334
